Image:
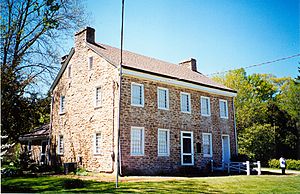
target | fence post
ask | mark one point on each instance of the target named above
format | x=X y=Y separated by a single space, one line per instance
x=239 y=168
x=248 y=167
x=212 y=165
x=258 y=168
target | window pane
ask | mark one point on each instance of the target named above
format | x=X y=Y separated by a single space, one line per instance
x=162 y=142
x=162 y=98
x=184 y=102
x=187 y=159
x=136 y=141
x=187 y=145
x=137 y=94
x=206 y=144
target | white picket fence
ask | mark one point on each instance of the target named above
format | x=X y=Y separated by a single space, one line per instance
x=236 y=167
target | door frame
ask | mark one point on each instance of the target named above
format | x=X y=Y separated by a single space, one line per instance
x=192 y=147
x=229 y=153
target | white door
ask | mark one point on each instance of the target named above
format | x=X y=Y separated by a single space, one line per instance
x=225 y=148
x=187 y=148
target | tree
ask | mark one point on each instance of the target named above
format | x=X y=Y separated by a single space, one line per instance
x=32 y=33
x=258 y=142
x=264 y=101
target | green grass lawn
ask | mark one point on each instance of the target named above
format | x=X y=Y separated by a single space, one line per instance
x=230 y=184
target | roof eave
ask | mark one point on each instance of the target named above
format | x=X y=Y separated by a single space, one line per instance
x=62 y=69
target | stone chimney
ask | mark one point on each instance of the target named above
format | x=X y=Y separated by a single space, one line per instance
x=85 y=35
x=190 y=63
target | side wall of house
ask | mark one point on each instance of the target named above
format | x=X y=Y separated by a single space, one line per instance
x=82 y=120
x=151 y=118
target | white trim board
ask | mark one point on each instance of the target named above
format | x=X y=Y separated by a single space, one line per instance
x=177 y=83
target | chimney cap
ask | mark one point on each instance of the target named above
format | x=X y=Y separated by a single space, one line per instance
x=87 y=28
x=188 y=60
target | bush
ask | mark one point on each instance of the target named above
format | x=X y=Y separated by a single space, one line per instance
x=11 y=170
x=73 y=183
x=274 y=163
x=81 y=172
x=290 y=164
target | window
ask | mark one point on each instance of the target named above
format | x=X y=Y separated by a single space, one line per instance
x=163 y=143
x=163 y=98
x=69 y=71
x=137 y=141
x=98 y=97
x=90 y=63
x=137 y=94
x=62 y=104
x=97 y=139
x=185 y=99
x=60 y=145
x=205 y=106
x=29 y=145
x=207 y=144
x=223 y=109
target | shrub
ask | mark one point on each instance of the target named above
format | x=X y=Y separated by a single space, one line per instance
x=293 y=164
x=81 y=172
x=73 y=183
x=274 y=163
x=290 y=164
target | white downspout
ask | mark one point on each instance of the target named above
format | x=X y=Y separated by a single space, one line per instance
x=235 y=132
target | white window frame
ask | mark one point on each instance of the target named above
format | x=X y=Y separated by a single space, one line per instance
x=167 y=98
x=97 y=152
x=210 y=145
x=59 y=144
x=69 y=71
x=98 y=103
x=142 y=141
x=208 y=108
x=192 y=147
x=90 y=62
x=168 y=142
x=189 y=101
x=221 y=101
x=142 y=100
x=62 y=104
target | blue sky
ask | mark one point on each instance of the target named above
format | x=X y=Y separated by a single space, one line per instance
x=219 y=34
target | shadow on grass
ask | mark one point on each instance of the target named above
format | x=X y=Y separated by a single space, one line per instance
x=58 y=184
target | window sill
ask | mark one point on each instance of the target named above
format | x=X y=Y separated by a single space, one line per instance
x=186 y=112
x=207 y=155
x=136 y=154
x=204 y=115
x=163 y=155
x=224 y=117
x=160 y=108
x=62 y=113
x=97 y=107
x=60 y=154
x=138 y=105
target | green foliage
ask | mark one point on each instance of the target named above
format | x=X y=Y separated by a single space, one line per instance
x=274 y=163
x=290 y=164
x=81 y=172
x=258 y=142
x=267 y=114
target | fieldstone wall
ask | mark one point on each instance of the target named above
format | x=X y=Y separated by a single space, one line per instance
x=81 y=119
x=152 y=118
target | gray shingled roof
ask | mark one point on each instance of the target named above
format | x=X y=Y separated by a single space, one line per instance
x=151 y=65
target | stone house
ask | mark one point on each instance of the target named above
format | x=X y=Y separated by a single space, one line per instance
x=172 y=117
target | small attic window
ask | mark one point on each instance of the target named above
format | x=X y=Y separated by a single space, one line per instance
x=90 y=63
